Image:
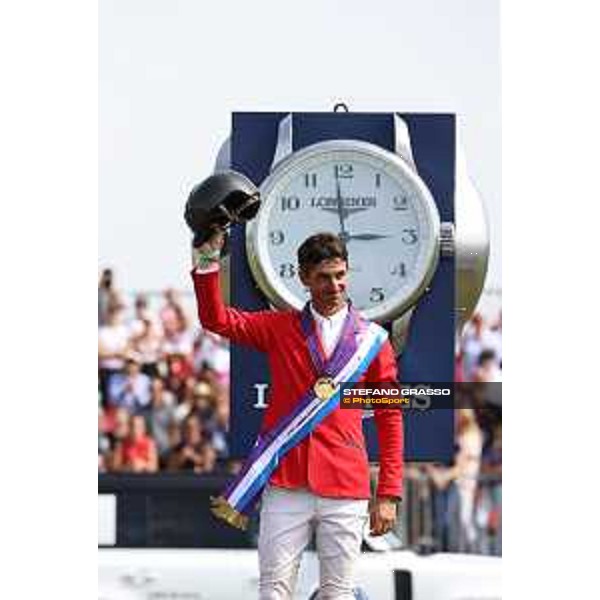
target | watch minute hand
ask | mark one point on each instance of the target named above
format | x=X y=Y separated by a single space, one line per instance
x=340 y=209
x=367 y=236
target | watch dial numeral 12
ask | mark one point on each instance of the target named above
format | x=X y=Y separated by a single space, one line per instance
x=344 y=171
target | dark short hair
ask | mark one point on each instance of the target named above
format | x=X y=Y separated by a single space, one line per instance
x=485 y=356
x=320 y=247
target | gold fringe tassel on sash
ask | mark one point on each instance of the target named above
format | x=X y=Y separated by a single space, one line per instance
x=223 y=510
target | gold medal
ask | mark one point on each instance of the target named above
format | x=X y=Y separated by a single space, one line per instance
x=324 y=387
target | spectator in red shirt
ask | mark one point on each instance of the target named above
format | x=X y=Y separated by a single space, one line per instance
x=116 y=426
x=137 y=452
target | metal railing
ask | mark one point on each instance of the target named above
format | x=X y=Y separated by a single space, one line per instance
x=172 y=510
x=464 y=517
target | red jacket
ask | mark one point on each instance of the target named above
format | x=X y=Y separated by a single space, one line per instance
x=331 y=461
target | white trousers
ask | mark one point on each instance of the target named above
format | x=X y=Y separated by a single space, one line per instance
x=287 y=521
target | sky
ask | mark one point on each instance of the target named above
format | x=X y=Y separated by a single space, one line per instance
x=171 y=72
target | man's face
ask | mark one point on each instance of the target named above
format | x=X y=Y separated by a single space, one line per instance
x=327 y=283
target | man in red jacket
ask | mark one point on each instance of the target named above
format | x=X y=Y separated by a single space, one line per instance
x=322 y=483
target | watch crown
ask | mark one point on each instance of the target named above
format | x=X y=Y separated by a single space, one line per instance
x=447 y=239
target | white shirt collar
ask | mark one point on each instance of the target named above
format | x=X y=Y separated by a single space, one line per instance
x=332 y=320
x=330 y=328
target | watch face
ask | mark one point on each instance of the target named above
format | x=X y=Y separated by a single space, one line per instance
x=369 y=197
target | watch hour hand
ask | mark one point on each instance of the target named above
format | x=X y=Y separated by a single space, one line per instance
x=346 y=211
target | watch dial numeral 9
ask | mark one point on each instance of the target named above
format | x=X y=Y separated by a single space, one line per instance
x=287 y=270
x=399 y=269
x=400 y=203
x=276 y=237
x=310 y=180
x=410 y=236
x=290 y=203
x=376 y=294
x=344 y=171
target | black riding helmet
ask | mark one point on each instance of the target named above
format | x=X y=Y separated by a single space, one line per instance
x=222 y=199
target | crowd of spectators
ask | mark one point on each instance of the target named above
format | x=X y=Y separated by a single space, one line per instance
x=164 y=406
x=163 y=387
x=467 y=495
x=479 y=358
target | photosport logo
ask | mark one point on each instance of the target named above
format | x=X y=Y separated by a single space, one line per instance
x=407 y=396
x=421 y=396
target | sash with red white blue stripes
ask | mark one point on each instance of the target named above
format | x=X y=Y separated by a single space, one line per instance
x=359 y=344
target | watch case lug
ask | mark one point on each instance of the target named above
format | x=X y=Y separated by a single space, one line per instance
x=284 y=145
x=402 y=145
x=399 y=332
x=223 y=161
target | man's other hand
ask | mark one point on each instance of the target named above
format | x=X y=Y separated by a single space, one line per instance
x=383 y=515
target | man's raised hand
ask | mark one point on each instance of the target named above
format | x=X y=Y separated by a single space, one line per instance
x=205 y=258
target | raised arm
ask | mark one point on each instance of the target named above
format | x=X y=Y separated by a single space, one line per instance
x=249 y=328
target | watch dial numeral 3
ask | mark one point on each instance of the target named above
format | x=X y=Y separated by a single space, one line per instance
x=410 y=236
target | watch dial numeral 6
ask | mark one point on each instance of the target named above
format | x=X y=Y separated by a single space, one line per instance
x=290 y=203
x=376 y=294
x=400 y=203
x=344 y=171
x=410 y=236
x=287 y=270
x=310 y=180
x=276 y=237
x=399 y=269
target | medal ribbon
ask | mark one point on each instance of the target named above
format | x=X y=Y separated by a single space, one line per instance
x=343 y=350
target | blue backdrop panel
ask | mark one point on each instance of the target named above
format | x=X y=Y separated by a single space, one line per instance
x=428 y=355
